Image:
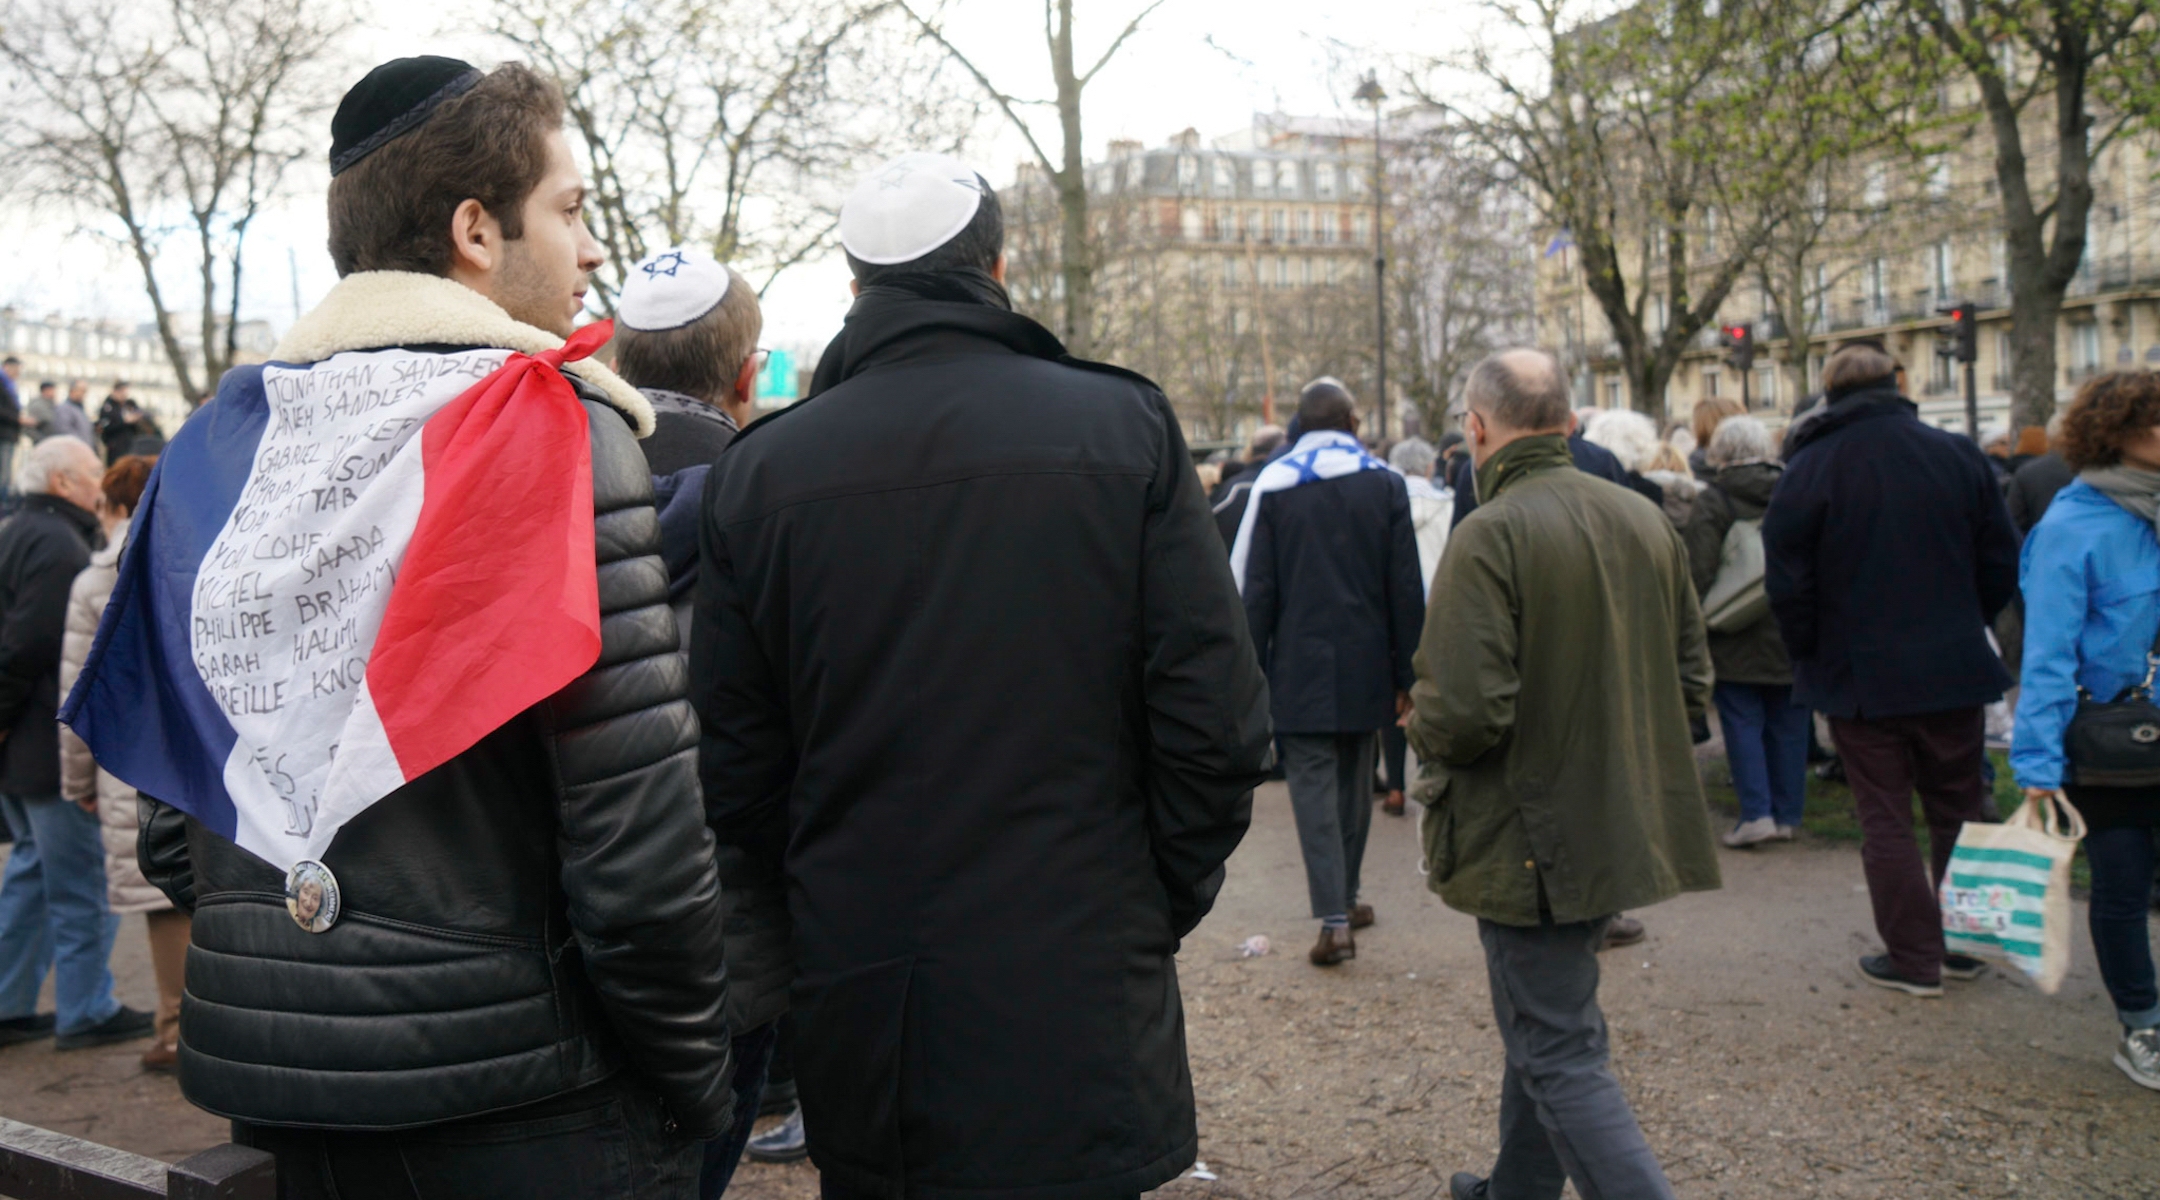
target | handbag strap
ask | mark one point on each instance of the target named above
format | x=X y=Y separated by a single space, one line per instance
x=2061 y=820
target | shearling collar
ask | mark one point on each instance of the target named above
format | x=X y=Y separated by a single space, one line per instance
x=372 y=310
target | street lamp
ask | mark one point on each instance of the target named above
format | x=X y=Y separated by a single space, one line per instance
x=1370 y=92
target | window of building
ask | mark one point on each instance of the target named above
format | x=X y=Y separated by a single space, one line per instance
x=1329 y=228
x=1658 y=325
x=1229 y=270
x=1361 y=228
x=1225 y=177
x=1286 y=179
x=1301 y=229
x=1354 y=180
x=1875 y=191
x=1943 y=269
x=1612 y=393
x=1878 y=287
x=1938 y=177
x=1305 y=271
x=1765 y=388
x=1323 y=178
x=1188 y=171
x=1189 y=224
x=1329 y=271
x=1263 y=177
x=1254 y=227
x=2085 y=346
x=1279 y=221
x=1709 y=233
x=1710 y=383
x=1282 y=272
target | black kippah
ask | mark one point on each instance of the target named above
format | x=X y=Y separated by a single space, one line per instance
x=391 y=100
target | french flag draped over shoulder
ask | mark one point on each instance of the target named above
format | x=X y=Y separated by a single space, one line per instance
x=340 y=576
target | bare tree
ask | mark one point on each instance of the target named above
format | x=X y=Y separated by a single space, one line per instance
x=1645 y=132
x=731 y=123
x=1461 y=284
x=1068 y=171
x=150 y=120
x=2045 y=71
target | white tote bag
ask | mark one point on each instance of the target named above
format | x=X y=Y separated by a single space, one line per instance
x=2007 y=895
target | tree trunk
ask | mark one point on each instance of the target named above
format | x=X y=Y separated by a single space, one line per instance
x=1076 y=264
x=1796 y=314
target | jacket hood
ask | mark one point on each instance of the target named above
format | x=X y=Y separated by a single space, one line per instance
x=887 y=326
x=1871 y=404
x=374 y=310
x=1750 y=484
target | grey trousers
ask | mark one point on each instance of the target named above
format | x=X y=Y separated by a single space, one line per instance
x=1562 y=1115
x=1331 y=792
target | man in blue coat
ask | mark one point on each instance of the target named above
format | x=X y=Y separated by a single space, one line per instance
x=1327 y=559
x=1888 y=553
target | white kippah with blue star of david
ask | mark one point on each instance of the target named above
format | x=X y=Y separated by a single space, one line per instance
x=670 y=289
x=909 y=207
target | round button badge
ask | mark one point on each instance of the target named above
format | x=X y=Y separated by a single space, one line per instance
x=311 y=895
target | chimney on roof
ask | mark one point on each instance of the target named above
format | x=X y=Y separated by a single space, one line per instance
x=1125 y=148
x=1189 y=139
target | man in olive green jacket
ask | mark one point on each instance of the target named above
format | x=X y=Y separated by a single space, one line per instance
x=1562 y=660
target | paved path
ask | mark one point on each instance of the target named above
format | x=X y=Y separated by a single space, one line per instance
x=1760 y=1066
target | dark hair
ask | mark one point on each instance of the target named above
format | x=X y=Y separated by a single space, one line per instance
x=10 y=361
x=976 y=247
x=391 y=210
x=43 y=384
x=1326 y=404
x=124 y=481
x=701 y=358
x=2109 y=410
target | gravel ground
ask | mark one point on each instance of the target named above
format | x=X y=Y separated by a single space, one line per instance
x=1758 y=1064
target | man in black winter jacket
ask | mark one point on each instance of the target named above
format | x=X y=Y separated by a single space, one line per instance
x=519 y=990
x=976 y=686
x=53 y=912
x=1336 y=603
x=1888 y=552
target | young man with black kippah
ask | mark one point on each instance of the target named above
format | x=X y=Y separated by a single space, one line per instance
x=977 y=692
x=421 y=755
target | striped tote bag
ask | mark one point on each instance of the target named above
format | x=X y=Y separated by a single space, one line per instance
x=2007 y=896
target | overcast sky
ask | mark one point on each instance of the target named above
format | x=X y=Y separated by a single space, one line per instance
x=1209 y=64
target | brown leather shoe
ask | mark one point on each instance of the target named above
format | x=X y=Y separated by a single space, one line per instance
x=161 y=1058
x=1335 y=946
x=1393 y=805
x=1622 y=930
x=1361 y=915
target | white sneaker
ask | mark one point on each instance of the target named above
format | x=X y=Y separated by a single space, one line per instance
x=2139 y=1057
x=1749 y=833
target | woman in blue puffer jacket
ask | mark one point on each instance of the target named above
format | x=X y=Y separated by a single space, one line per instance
x=2091 y=576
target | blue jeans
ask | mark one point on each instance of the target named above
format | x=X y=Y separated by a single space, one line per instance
x=2122 y=873
x=1766 y=740
x=53 y=914
x=752 y=1055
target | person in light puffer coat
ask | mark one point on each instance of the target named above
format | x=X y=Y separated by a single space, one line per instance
x=96 y=789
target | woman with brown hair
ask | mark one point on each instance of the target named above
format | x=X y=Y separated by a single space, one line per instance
x=2091 y=577
x=96 y=790
x=1703 y=423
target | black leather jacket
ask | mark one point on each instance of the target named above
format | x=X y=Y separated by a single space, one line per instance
x=531 y=917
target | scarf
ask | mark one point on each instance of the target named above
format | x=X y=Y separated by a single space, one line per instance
x=2135 y=488
x=1322 y=454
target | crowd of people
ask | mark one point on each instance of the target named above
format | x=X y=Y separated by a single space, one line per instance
x=537 y=769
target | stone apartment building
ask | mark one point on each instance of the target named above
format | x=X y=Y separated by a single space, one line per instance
x=104 y=352
x=1911 y=237
x=1230 y=271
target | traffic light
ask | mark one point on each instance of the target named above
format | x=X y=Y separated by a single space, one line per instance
x=1963 y=343
x=1739 y=343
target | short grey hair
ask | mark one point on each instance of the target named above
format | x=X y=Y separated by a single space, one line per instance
x=55 y=456
x=1630 y=435
x=1413 y=456
x=1522 y=390
x=1740 y=440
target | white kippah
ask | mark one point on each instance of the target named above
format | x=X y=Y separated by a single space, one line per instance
x=671 y=289
x=909 y=207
